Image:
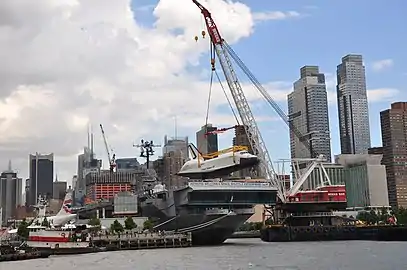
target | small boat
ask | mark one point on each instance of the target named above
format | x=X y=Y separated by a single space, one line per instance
x=9 y=253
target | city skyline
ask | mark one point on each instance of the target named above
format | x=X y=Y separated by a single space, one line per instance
x=48 y=105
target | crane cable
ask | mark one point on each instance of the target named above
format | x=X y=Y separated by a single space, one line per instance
x=213 y=69
x=213 y=56
x=227 y=98
x=210 y=89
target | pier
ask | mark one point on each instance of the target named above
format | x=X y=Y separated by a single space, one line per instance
x=142 y=241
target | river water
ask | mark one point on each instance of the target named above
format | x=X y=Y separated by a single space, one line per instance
x=237 y=254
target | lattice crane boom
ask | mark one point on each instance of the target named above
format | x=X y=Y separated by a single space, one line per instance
x=303 y=139
x=252 y=131
x=112 y=159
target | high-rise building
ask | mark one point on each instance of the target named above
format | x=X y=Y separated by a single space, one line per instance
x=241 y=139
x=87 y=163
x=59 y=189
x=207 y=143
x=41 y=176
x=11 y=190
x=353 y=109
x=308 y=112
x=175 y=153
x=158 y=166
x=394 y=129
x=127 y=164
x=176 y=144
x=105 y=184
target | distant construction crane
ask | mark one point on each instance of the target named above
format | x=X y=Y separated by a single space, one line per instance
x=146 y=150
x=112 y=159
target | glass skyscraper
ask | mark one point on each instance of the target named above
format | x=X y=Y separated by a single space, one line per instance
x=308 y=112
x=353 y=108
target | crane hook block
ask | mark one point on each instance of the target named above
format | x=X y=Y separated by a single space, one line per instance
x=213 y=63
x=196 y=38
x=203 y=33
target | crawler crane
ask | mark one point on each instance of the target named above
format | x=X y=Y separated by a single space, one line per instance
x=225 y=54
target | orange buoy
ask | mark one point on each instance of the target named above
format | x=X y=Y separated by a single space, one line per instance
x=196 y=38
x=203 y=33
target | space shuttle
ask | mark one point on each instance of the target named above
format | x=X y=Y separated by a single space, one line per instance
x=223 y=165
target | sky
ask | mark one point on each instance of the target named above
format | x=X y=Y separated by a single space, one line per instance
x=134 y=66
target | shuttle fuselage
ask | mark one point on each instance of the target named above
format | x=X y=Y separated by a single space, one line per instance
x=223 y=165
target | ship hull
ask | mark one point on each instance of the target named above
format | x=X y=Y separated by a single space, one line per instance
x=206 y=229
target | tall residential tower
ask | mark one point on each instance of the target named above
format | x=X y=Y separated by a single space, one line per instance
x=394 y=129
x=308 y=112
x=352 y=105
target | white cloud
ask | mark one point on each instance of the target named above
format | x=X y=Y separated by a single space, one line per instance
x=382 y=64
x=275 y=15
x=382 y=94
x=69 y=63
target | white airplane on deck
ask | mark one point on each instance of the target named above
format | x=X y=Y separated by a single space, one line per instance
x=61 y=218
x=222 y=165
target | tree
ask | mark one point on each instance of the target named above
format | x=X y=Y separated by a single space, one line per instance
x=368 y=217
x=23 y=230
x=94 y=222
x=116 y=226
x=401 y=215
x=45 y=222
x=129 y=224
x=148 y=225
x=383 y=215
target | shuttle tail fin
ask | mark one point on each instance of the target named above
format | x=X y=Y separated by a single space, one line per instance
x=66 y=208
x=194 y=151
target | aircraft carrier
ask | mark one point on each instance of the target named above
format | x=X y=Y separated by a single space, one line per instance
x=211 y=209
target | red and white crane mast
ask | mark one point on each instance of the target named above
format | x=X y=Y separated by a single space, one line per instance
x=252 y=131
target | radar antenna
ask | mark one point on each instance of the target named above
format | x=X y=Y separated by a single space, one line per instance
x=146 y=150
